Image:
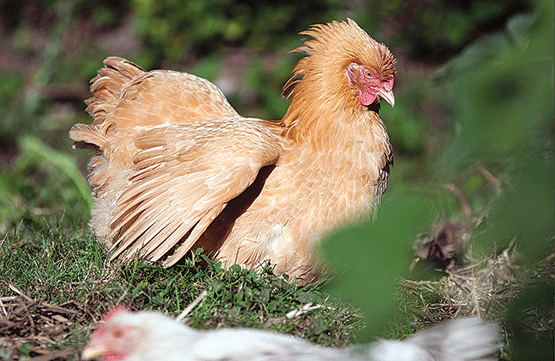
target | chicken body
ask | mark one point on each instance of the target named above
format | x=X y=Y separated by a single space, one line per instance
x=177 y=168
x=142 y=336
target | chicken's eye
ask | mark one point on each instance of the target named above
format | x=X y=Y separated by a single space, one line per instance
x=368 y=73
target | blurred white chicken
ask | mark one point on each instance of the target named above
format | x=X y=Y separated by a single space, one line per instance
x=146 y=335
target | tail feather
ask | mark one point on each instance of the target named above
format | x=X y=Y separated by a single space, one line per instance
x=107 y=89
x=108 y=86
x=87 y=136
x=124 y=66
x=462 y=339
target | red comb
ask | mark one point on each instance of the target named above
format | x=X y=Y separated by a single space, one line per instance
x=112 y=312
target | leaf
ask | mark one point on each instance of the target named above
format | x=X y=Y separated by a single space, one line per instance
x=526 y=214
x=504 y=102
x=370 y=256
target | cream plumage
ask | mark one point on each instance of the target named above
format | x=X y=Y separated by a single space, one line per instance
x=177 y=168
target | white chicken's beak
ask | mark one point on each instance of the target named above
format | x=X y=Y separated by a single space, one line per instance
x=93 y=351
x=387 y=96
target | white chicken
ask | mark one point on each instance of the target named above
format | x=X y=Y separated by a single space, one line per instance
x=147 y=335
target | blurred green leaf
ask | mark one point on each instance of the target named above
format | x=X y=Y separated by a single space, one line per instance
x=208 y=67
x=370 y=256
x=534 y=306
x=504 y=101
x=526 y=214
x=103 y=16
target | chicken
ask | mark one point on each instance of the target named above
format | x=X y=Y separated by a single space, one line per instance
x=177 y=168
x=148 y=335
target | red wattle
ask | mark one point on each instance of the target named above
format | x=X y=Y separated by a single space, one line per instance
x=366 y=98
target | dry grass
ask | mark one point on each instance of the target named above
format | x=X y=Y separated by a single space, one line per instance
x=490 y=288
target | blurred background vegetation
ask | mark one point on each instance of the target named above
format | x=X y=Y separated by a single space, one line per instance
x=473 y=125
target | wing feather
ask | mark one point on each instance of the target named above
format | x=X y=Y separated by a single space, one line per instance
x=169 y=242
x=139 y=191
x=184 y=176
x=147 y=217
x=202 y=225
x=157 y=236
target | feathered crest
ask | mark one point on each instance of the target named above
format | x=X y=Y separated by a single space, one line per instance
x=339 y=43
x=114 y=311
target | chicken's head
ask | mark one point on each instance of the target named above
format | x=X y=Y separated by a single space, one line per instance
x=343 y=60
x=124 y=335
x=370 y=83
x=113 y=340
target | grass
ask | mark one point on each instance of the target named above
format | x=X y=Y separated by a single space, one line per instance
x=57 y=283
x=50 y=268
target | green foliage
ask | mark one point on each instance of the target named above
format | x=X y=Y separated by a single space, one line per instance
x=503 y=99
x=176 y=29
x=504 y=103
x=370 y=256
x=407 y=123
x=530 y=322
x=11 y=84
x=444 y=27
x=257 y=77
x=525 y=213
x=435 y=30
x=43 y=186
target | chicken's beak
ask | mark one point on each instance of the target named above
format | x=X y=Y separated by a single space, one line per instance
x=387 y=96
x=93 y=351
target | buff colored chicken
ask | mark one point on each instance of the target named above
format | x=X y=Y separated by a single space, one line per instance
x=142 y=336
x=177 y=168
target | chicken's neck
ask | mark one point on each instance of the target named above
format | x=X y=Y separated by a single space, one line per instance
x=337 y=130
x=323 y=108
x=344 y=168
